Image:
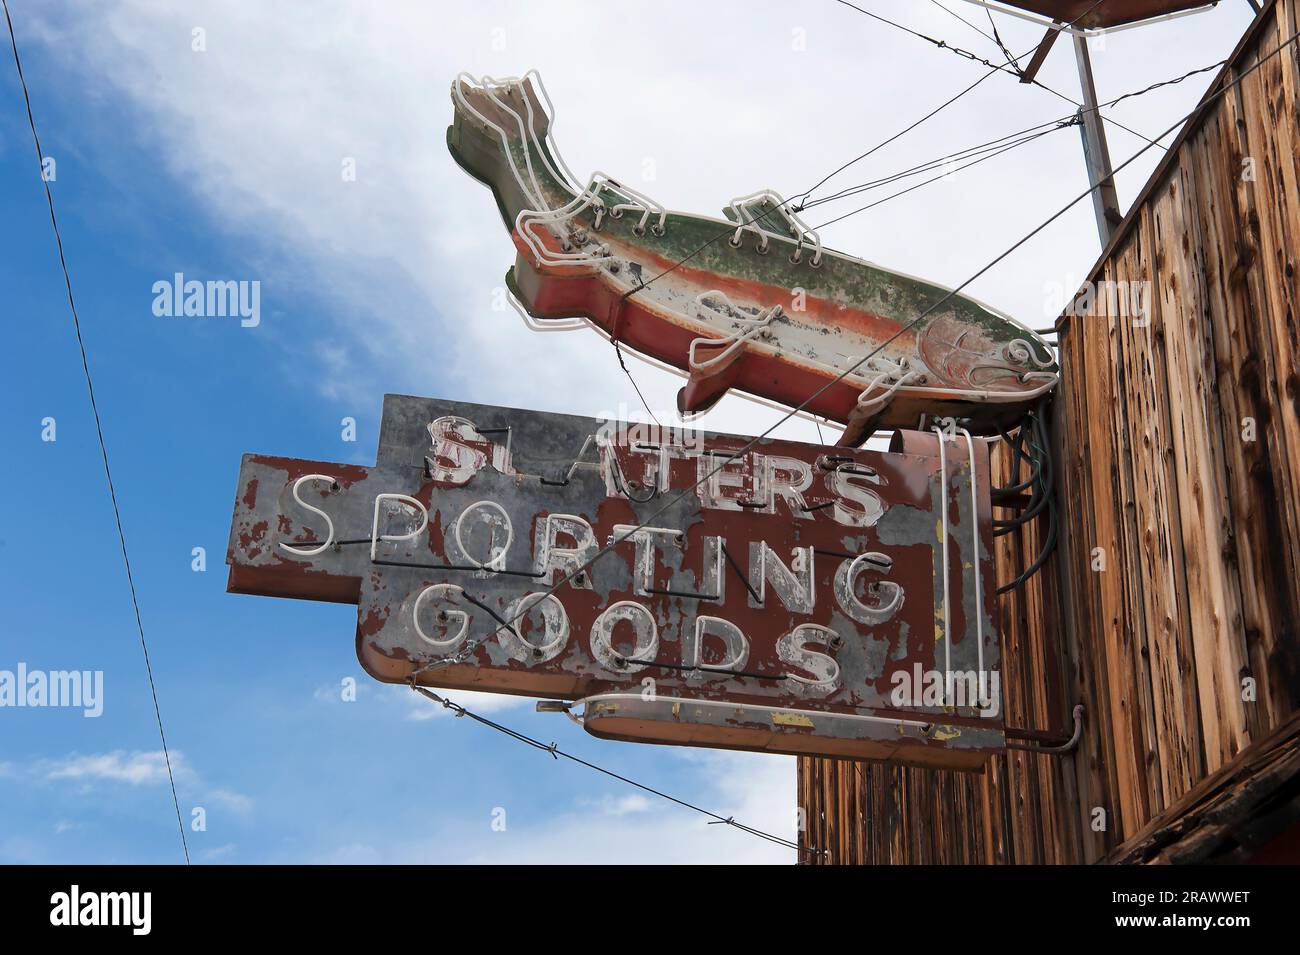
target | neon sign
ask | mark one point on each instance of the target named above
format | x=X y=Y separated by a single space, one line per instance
x=785 y=597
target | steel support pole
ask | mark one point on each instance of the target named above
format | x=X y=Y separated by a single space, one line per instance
x=1105 y=202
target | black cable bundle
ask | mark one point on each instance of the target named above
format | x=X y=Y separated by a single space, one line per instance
x=1032 y=446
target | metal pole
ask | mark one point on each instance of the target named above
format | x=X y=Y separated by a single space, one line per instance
x=1105 y=202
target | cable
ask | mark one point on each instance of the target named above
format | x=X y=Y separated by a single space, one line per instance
x=932 y=163
x=1083 y=195
x=1043 y=497
x=995 y=38
x=556 y=752
x=99 y=430
x=708 y=242
x=805 y=194
x=635 y=387
x=1013 y=61
x=790 y=413
x=975 y=150
x=943 y=44
x=878 y=202
x=881 y=145
x=1173 y=82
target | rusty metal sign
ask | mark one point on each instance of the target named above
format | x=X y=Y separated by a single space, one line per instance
x=685 y=587
x=751 y=301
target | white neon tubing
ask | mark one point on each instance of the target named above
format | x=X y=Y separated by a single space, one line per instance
x=802 y=230
x=517 y=610
x=505 y=139
x=741 y=658
x=643 y=203
x=607 y=639
x=753 y=327
x=763 y=548
x=857 y=377
x=376 y=537
x=489 y=89
x=975 y=559
x=601 y=180
x=898 y=594
x=522 y=83
x=550 y=130
x=544 y=325
x=329 y=538
x=866 y=404
x=947 y=618
x=492 y=563
x=464 y=618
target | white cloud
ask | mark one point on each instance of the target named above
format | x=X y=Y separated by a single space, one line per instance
x=634 y=828
x=422 y=708
x=620 y=806
x=229 y=799
x=414 y=705
x=757 y=790
x=255 y=129
x=135 y=768
x=222 y=853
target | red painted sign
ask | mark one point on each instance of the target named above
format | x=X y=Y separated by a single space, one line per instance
x=679 y=586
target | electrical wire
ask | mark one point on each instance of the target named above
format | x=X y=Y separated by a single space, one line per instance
x=991 y=145
x=641 y=286
x=1163 y=83
x=934 y=163
x=944 y=44
x=1030 y=445
x=1065 y=121
x=790 y=413
x=944 y=175
x=1014 y=62
x=99 y=429
x=997 y=37
x=555 y=751
x=994 y=37
x=635 y=387
x=582 y=569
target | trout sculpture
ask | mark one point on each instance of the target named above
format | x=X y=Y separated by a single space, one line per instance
x=752 y=302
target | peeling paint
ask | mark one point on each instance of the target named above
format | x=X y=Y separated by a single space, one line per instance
x=483 y=535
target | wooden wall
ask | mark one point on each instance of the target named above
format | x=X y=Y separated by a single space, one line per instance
x=1177 y=450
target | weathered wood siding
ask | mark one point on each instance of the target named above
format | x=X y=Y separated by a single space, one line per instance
x=1177 y=449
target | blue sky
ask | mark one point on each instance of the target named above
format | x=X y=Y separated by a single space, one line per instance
x=225 y=164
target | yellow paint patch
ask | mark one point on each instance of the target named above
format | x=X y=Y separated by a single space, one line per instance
x=792 y=719
x=945 y=733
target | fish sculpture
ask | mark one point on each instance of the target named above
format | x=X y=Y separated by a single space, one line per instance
x=752 y=302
